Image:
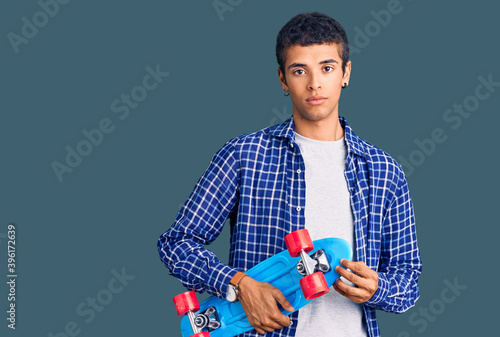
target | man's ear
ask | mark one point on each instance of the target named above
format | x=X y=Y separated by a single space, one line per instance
x=347 y=73
x=282 y=79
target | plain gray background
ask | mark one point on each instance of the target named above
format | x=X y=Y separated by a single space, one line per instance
x=109 y=211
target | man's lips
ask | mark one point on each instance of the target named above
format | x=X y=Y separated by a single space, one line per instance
x=316 y=99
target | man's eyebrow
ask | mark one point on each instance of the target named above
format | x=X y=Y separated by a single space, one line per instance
x=303 y=65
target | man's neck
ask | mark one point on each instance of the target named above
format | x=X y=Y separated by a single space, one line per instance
x=325 y=130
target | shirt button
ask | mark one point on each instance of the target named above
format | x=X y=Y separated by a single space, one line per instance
x=299 y=208
x=299 y=170
x=291 y=145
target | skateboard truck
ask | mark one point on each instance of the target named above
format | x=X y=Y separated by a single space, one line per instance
x=313 y=284
x=187 y=304
x=207 y=319
x=317 y=262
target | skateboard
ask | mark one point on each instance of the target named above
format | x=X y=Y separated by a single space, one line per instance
x=303 y=272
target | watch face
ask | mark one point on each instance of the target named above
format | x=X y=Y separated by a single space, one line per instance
x=231 y=294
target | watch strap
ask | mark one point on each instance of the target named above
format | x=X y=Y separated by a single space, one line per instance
x=237 y=278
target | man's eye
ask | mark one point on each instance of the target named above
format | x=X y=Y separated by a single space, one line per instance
x=296 y=71
x=328 y=68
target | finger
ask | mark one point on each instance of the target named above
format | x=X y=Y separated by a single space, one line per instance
x=270 y=318
x=270 y=324
x=259 y=330
x=278 y=296
x=282 y=320
x=277 y=316
x=347 y=290
x=354 y=266
x=356 y=295
x=265 y=323
x=360 y=268
x=344 y=288
x=338 y=289
x=350 y=276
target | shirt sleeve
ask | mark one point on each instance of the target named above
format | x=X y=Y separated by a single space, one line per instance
x=400 y=264
x=198 y=223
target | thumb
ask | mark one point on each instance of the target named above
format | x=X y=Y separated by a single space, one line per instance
x=278 y=296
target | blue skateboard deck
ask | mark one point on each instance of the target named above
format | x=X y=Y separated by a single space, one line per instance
x=279 y=270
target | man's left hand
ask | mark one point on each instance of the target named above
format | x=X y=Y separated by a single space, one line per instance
x=365 y=281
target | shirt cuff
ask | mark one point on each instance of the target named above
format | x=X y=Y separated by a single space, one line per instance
x=381 y=293
x=218 y=280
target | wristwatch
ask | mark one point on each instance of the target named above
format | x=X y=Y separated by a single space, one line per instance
x=232 y=289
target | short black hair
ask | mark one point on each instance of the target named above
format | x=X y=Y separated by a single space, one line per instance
x=310 y=28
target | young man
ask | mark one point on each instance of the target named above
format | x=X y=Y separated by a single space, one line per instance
x=310 y=172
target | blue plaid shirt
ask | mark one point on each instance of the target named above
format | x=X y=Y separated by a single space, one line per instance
x=257 y=181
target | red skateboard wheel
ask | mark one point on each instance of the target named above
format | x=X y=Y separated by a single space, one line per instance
x=314 y=285
x=297 y=241
x=201 y=334
x=186 y=302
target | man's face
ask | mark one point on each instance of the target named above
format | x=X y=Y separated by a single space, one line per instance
x=314 y=71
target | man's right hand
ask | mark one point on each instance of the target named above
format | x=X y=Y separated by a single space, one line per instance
x=259 y=302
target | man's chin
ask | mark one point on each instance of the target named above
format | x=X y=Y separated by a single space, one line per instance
x=316 y=116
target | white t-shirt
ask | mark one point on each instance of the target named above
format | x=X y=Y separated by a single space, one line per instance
x=328 y=214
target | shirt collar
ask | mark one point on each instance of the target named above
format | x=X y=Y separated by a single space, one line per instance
x=354 y=143
x=286 y=130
